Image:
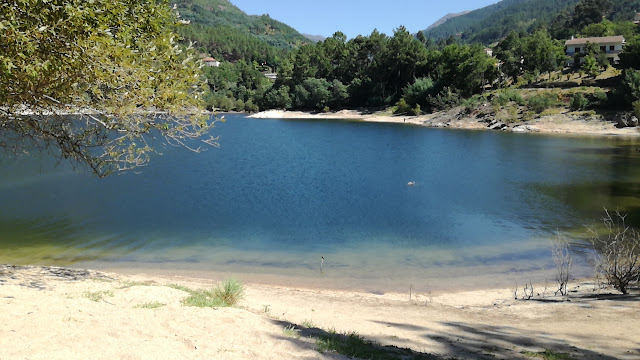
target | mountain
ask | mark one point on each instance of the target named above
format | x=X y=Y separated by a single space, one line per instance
x=495 y=21
x=314 y=38
x=445 y=18
x=222 y=29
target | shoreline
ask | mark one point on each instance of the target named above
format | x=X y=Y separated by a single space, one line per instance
x=46 y=313
x=557 y=124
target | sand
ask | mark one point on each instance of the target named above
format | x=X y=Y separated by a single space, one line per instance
x=563 y=123
x=46 y=314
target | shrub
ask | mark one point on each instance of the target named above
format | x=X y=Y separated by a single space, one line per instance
x=630 y=86
x=417 y=92
x=470 y=103
x=402 y=107
x=417 y=111
x=230 y=292
x=636 y=108
x=504 y=96
x=239 y=105
x=563 y=260
x=249 y=106
x=541 y=102
x=600 y=98
x=578 y=102
x=617 y=251
x=445 y=99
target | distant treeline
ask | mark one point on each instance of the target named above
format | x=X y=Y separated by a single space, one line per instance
x=412 y=73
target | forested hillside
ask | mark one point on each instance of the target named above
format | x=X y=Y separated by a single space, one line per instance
x=493 y=22
x=223 y=30
x=414 y=74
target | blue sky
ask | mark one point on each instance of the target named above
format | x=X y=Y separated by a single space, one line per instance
x=354 y=17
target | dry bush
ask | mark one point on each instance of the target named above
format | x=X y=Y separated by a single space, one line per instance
x=563 y=260
x=617 y=251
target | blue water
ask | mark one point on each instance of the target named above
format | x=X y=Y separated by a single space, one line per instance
x=280 y=194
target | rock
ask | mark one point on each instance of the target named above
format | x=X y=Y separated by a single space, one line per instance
x=633 y=122
x=497 y=126
x=622 y=122
x=521 y=129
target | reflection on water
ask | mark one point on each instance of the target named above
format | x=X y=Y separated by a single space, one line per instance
x=279 y=195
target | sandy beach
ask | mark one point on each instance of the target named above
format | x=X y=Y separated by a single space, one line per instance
x=563 y=123
x=57 y=313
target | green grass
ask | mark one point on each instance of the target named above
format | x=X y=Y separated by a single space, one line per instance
x=354 y=345
x=151 y=305
x=180 y=287
x=291 y=331
x=226 y=294
x=548 y=355
x=97 y=295
x=128 y=284
x=308 y=324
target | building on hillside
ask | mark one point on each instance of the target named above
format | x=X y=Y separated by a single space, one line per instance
x=636 y=19
x=271 y=75
x=488 y=51
x=609 y=45
x=209 y=61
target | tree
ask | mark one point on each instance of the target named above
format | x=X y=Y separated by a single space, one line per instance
x=629 y=88
x=509 y=51
x=401 y=60
x=542 y=53
x=109 y=62
x=313 y=94
x=630 y=55
x=589 y=12
x=590 y=66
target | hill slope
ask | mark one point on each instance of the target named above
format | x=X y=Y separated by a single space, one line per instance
x=445 y=18
x=490 y=23
x=222 y=29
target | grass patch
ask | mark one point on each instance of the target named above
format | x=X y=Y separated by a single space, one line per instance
x=354 y=345
x=180 y=287
x=291 y=331
x=97 y=295
x=553 y=111
x=226 y=294
x=231 y=291
x=128 y=284
x=548 y=355
x=150 y=305
x=308 y=324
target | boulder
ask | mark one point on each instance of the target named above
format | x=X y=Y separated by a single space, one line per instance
x=633 y=122
x=497 y=125
x=622 y=122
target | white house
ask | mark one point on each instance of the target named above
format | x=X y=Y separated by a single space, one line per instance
x=636 y=19
x=610 y=45
x=209 y=61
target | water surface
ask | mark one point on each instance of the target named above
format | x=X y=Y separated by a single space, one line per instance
x=280 y=194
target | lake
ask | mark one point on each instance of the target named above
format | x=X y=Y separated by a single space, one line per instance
x=327 y=204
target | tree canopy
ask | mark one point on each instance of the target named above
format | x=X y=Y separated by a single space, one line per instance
x=110 y=63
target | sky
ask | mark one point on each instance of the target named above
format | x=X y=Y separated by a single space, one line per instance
x=357 y=17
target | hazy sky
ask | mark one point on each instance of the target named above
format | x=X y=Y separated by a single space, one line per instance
x=355 y=17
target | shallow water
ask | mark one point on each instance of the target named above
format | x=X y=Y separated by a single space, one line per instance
x=279 y=195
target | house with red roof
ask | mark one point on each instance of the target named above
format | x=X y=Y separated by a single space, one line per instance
x=209 y=61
